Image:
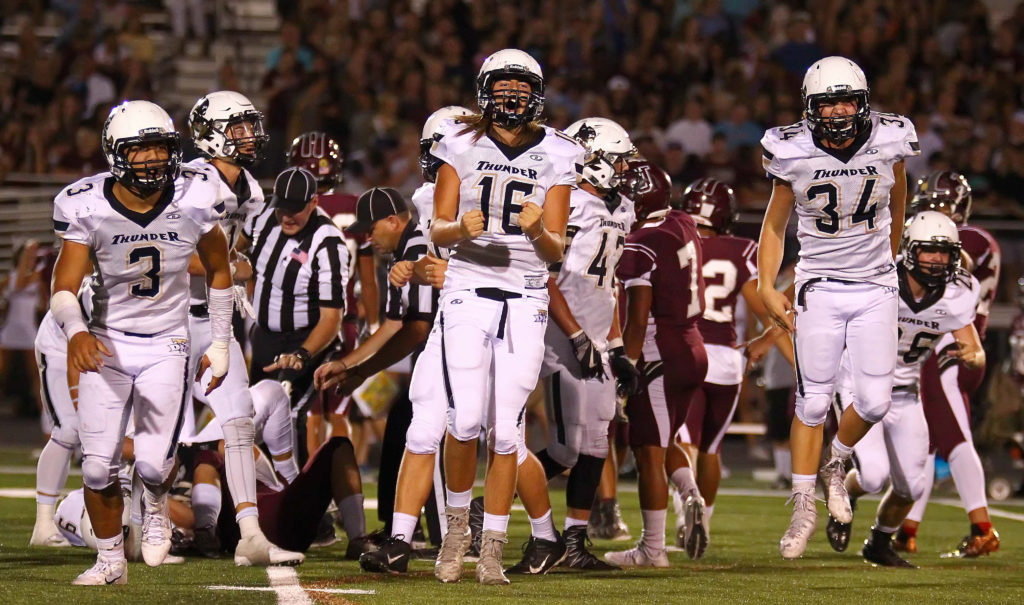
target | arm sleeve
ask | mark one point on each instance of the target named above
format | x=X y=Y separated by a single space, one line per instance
x=332 y=272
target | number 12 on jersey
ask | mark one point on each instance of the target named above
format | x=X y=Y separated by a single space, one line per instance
x=501 y=200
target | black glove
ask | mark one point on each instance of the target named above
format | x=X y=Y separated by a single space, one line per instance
x=588 y=356
x=627 y=376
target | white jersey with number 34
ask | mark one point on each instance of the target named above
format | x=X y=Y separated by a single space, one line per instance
x=842 y=200
x=141 y=280
x=498 y=180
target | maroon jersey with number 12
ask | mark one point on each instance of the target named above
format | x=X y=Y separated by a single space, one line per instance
x=665 y=253
x=729 y=263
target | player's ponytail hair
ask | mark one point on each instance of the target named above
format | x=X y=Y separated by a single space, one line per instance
x=480 y=123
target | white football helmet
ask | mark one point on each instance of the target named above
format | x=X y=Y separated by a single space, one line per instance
x=607 y=144
x=213 y=116
x=830 y=79
x=428 y=163
x=510 y=64
x=141 y=123
x=931 y=231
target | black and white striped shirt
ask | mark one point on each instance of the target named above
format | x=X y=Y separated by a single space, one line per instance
x=411 y=302
x=296 y=275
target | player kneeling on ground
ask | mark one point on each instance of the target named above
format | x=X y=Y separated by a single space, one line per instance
x=936 y=297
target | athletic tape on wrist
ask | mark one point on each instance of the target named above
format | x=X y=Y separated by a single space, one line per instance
x=220 y=303
x=68 y=313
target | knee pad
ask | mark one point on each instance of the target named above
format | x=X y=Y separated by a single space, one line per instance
x=812 y=408
x=505 y=439
x=594 y=441
x=151 y=473
x=872 y=404
x=872 y=478
x=65 y=436
x=521 y=451
x=564 y=454
x=239 y=432
x=98 y=474
x=465 y=424
x=424 y=435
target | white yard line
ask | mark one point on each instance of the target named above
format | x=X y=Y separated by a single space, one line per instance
x=285 y=582
x=272 y=589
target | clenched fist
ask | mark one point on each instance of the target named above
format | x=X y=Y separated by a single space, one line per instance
x=531 y=220
x=401 y=273
x=472 y=224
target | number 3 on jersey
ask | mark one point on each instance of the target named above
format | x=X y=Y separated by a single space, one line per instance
x=831 y=222
x=501 y=202
x=149 y=285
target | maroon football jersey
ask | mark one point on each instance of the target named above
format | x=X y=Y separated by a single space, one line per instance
x=345 y=204
x=729 y=263
x=665 y=254
x=984 y=251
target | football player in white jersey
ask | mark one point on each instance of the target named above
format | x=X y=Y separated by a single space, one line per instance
x=140 y=224
x=585 y=332
x=228 y=131
x=841 y=168
x=936 y=298
x=501 y=203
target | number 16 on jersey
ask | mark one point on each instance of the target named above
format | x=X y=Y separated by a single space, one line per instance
x=501 y=199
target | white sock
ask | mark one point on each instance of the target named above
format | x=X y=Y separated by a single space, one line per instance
x=968 y=475
x=111 y=549
x=708 y=511
x=239 y=464
x=52 y=472
x=653 y=535
x=570 y=522
x=783 y=461
x=683 y=479
x=543 y=528
x=403 y=525
x=917 y=511
x=288 y=468
x=804 y=482
x=884 y=528
x=459 y=499
x=151 y=501
x=44 y=512
x=840 y=450
x=353 y=517
x=249 y=525
x=498 y=523
x=206 y=503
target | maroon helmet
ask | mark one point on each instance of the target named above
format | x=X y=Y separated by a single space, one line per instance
x=320 y=155
x=947 y=192
x=647 y=185
x=711 y=203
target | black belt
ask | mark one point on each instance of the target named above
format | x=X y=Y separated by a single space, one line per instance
x=201 y=310
x=803 y=288
x=905 y=388
x=502 y=296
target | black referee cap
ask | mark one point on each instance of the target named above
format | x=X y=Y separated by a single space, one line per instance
x=375 y=204
x=293 y=189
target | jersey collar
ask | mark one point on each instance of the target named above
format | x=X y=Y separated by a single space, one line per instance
x=142 y=219
x=930 y=297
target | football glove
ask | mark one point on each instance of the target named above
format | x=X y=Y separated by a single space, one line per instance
x=627 y=376
x=588 y=356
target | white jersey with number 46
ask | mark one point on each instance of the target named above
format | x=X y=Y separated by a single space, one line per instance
x=498 y=180
x=842 y=196
x=141 y=280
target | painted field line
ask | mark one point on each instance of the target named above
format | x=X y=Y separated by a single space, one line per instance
x=272 y=589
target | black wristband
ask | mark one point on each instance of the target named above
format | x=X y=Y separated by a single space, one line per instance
x=302 y=354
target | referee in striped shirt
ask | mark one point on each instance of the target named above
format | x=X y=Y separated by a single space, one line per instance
x=410 y=309
x=300 y=268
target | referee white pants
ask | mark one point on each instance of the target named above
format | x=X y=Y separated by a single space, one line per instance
x=147 y=375
x=491 y=354
x=856 y=316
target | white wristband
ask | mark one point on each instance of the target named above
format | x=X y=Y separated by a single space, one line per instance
x=614 y=343
x=68 y=313
x=220 y=303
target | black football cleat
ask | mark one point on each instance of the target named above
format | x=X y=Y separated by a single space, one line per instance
x=539 y=556
x=392 y=556
x=878 y=550
x=576 y=554
x=838 y=534
x=476 y=525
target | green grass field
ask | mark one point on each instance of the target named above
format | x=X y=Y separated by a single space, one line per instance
x=741 y=566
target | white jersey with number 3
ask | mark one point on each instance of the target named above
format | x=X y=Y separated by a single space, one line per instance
x=141 y=279
x=842 y=200
x=595 y=239
x=498 y=180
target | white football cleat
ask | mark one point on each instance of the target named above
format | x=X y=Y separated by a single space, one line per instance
x=638 y=556
x=836 y=498
x=47 y=534
x=801 y=525
x=104 y=573
x=695 y=536
x=257 y=550
x=677 y=505
x=156 y=534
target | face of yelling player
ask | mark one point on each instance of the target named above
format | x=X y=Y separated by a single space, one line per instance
x=512 y=94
